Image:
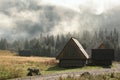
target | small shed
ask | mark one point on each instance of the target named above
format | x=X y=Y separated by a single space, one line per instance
x=25 y=52
x=73 y=55
x=102 y=56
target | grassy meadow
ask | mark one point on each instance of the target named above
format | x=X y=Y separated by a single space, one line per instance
x=12 y=66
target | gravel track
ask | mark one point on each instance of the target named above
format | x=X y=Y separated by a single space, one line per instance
x=116 y=69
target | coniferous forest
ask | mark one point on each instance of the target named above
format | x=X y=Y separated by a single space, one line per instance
x=51 y=45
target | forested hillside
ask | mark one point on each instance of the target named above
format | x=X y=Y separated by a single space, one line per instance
x=50 y=45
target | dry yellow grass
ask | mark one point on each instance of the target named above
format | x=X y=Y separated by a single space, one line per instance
x=17 y=59
x=7 y=53
x=6 y=57
x=12 y=66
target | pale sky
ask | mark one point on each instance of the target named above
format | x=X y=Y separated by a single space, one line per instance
x=97 y=5
x=72 y=4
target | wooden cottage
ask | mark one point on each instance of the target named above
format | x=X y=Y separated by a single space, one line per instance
x=73 y=55
x=102 y=56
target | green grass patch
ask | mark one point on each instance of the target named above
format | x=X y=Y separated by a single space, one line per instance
x=56 y=69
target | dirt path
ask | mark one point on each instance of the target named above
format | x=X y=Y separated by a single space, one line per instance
x=116 y=69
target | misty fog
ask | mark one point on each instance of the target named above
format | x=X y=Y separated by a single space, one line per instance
x=29 y=18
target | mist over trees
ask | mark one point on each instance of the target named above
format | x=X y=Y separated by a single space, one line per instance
x=29 y=18
x=50 y=45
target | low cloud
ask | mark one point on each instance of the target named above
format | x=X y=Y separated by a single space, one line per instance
x=29 y=18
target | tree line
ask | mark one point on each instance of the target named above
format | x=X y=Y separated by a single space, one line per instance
x=50 y=45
